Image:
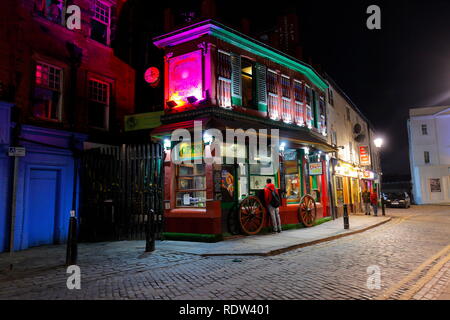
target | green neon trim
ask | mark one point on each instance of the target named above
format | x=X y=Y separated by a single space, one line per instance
x=236 y=101
x=255 y=48
x=262 y=107
x=233 y=37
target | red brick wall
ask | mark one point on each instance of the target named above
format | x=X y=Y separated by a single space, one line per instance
x=25 y=37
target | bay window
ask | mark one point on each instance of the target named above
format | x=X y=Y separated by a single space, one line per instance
x=248 y=83
x=299 y=100
x=272 y=95
x=286 y=99
x=191 y=186
x=224 y=79
x=309 y=113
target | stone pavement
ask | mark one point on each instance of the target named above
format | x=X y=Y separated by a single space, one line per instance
x=409 y=251
x=271 y=244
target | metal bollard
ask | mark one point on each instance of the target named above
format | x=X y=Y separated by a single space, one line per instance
x=150 y=236
x=72 y=245
x=346 y=222
x=382 y=206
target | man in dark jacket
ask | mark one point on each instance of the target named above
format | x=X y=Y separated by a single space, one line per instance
x=366 y=201
x=274 y=212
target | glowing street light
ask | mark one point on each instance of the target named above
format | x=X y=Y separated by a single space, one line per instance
x=378 y=142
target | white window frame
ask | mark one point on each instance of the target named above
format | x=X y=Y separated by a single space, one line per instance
x=99 y=19
x=424 y=132
x=108 y=95
x=47 y=86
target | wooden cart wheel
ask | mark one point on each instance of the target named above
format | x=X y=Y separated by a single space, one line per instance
x=251 y=215
x=307 y=210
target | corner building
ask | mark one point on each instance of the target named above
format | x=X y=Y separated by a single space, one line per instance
x=222 y=79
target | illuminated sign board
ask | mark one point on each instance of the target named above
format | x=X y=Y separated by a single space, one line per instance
x=185 y=78
x=367 y=174
x=346 y=170
x=315 y=168
x=364 y=157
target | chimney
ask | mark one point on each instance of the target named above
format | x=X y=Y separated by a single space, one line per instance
x=168 y=20
x=208 y=9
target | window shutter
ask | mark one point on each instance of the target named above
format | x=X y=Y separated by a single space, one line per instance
x=236 y=95
x=261 y=87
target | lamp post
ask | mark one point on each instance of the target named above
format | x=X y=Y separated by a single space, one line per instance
x=378 y=142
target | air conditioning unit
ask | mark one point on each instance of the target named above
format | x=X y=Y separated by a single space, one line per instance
x=357 y=135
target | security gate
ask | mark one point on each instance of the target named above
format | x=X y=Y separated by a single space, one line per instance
x=121 y=191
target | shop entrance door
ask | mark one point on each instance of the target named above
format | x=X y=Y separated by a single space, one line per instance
x=229 y=195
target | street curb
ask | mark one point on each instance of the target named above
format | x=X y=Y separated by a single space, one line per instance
x=297 y=246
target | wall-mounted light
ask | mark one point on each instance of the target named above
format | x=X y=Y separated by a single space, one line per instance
x=207 y=138
x=282 y=146
x=306 y=150
x=167 y=144
x=192 y=99
x=171 y=104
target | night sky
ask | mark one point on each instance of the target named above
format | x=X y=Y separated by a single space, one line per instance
x=385 y=72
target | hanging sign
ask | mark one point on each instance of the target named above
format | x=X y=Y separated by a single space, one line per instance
x=152 y=76
x=364 y=158
x=367 y=174
x=315 y=168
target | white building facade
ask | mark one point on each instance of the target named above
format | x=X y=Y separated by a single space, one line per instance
x=429 y=152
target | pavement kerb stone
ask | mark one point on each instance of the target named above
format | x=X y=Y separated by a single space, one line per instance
x=300 y=245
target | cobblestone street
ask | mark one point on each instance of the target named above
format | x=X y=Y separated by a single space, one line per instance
x=412 y=251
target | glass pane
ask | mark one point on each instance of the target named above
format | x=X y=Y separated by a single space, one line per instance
x=97 y=114
x=189 y=183
x=195 y=199
x=45 y=103
x=292 y=187
x=99 y=31
x=191 y=169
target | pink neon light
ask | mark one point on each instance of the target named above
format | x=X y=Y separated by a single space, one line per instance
x=185 y=77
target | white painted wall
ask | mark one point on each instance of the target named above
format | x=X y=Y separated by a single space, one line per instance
x=437 y=143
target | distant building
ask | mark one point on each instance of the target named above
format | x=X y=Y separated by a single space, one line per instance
x=60 y=88
x=429 y=152
x=356 y=164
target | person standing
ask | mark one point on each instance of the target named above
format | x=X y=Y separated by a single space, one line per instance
x=374 y=202
x=273 y=202
x=366 y=201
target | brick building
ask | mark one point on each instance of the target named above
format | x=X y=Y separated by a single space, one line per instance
x=60 y=88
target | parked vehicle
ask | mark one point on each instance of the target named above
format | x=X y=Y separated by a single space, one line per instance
x=397 y=199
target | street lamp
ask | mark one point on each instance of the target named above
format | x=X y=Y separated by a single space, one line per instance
x=378 y=142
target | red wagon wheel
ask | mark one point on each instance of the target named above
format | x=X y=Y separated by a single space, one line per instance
x=307 y=210
x=251 y=215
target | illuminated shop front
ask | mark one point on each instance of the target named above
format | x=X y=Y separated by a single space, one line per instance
x=219 y=79
x=347 y=187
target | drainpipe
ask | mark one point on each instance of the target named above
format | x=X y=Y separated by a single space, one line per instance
x=330 y=174
x=15 y=173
